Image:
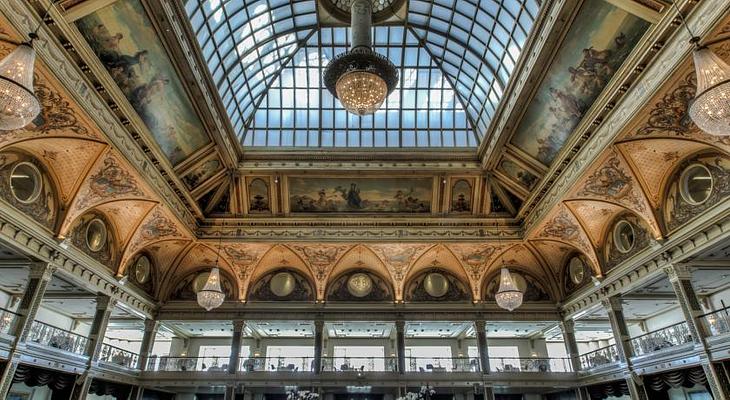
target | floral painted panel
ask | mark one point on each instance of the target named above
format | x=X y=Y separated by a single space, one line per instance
x=597 y=43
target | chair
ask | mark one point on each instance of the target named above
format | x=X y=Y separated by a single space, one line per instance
x=429 y=366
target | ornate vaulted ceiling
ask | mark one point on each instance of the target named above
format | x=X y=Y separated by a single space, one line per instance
x=591 y=128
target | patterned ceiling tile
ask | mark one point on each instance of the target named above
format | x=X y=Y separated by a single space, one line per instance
x=595 y=217
x=67 y=158
x=654 y=159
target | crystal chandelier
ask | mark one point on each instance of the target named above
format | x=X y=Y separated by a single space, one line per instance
x=508 y=296
x=211 y=296
x=710 y=109
x=361 y=78
x=18 y=104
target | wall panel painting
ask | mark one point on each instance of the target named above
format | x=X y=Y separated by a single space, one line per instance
x=125 y=41
x=360 y=195
x=598 y=42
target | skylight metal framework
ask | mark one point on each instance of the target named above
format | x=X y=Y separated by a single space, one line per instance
x=261 y=51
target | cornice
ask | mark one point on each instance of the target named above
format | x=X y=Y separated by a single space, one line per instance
x=327 y=229
x=26 y=236
x=55 y=56
x=351 y=167
x=619 y=103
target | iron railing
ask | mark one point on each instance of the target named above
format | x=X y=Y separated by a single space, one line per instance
x=672 y=335
x=596 y=358
x=7 y=318
x=118 y=356
x=717 y=322
x=442 y=364
x=62 y=339
x=188 y=364
x=530 y=364
x=280 y=364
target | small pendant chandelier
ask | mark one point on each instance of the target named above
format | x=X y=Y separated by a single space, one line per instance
x=211 y=296
x=361 y=78
x=508 y=296
x=710 y=108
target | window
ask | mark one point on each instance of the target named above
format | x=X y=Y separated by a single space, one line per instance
x=429 y=358
x=365 y=358
x=696 y=184
x=289 y=358
x=25 y=182
x=623 y=236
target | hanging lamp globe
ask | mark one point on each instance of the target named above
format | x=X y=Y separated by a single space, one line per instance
x=18 y=104
x=710 y=109
x=211 y=296
x=508 y=296
x=360 y=78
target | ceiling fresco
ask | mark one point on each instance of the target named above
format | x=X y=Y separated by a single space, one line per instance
x=387 y=219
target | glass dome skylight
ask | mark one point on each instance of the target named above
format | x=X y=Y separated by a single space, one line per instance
x=455 y=58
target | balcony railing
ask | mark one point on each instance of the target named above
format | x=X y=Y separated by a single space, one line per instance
x=282 y=364
x=58 y=338
x=188 y=364
x=359 y=364
x=596 y=358
x=718 y=322
x=442 y=364
x=115 y=355
x=531 y=364
x=7 y=318
x=661 y=339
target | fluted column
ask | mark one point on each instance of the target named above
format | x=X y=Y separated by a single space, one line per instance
x=571 y=345
x=38 y=277
x=400 y=342
x=318 y=345
x=681 y=279
x=615 y=311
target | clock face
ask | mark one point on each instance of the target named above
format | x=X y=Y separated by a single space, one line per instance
x=576 y=269
x=360 y=285
x=142 y=269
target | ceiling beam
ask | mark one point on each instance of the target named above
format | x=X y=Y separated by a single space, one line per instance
x=85 y=8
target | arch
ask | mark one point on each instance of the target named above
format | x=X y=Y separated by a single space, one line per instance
x=534 y=290
x=338 y=290
x=360 y=257
x=108 y=255
x=278 y=256
x=182 y=288
x=458 y=290
x=609 y=252
x=152 y=281
x=304 y=288
x=195 y=256
x=437 y=256
x=568 y=286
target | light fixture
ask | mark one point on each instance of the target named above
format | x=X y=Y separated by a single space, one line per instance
x=508 y=296
x=710 y=108
x=211 y=296
x=18 y=103
x=361 y=78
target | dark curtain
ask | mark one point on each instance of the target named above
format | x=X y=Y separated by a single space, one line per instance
x=608 y=389
x=102 y=388
x=209 y=396
x=661 y=383
x=150 y=394
x=507 y=397
x=61 y=384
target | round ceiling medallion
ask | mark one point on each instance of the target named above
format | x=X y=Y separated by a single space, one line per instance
x=25 y=182
x=436 y=284
x=282 y=284
x=96 y=235
x=576 y=269
x=696 y=184
x=360 y=285
x=142 y=269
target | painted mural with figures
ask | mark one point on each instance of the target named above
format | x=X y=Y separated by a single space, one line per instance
x=368 y=195
x=598 y=42
x=125 y=41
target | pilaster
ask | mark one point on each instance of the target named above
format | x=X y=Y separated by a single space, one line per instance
x=318 y=345
x=481 y=332
x=400 y=342
x=236 y=342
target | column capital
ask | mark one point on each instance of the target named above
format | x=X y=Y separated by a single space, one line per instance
x=238 y=325
x=676 y=272
x=567 y=325
x=612 y=303
x=42 y=270
x=151 y=325
x=480 y=325
x=400 y=325
x=104 y=302
x=318 y=324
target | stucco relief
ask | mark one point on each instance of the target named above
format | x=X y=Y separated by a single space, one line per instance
x=321 y=259
x=564 y=227
x=398 y=257
x=110 y=181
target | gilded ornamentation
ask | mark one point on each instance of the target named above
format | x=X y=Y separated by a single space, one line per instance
x=111 y=181
x=612 y=182
x=158 y=226
x=243 y=257
x=398 y=257
x=561 y=227
x=322 y=258
x=475 y=258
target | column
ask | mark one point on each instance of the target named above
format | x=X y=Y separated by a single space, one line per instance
x=400 y=342
x=148 y=340
x=571 y=345
x=615 y=311
x=230 y=393
x=38 y=277
x=104 y=307
x=481 y=331
x=236 y=342
x=681 y=279
x=318 y=345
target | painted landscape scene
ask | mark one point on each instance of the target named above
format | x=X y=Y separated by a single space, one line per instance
x=597 y=44
x=366 y=195
x=125 y=41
